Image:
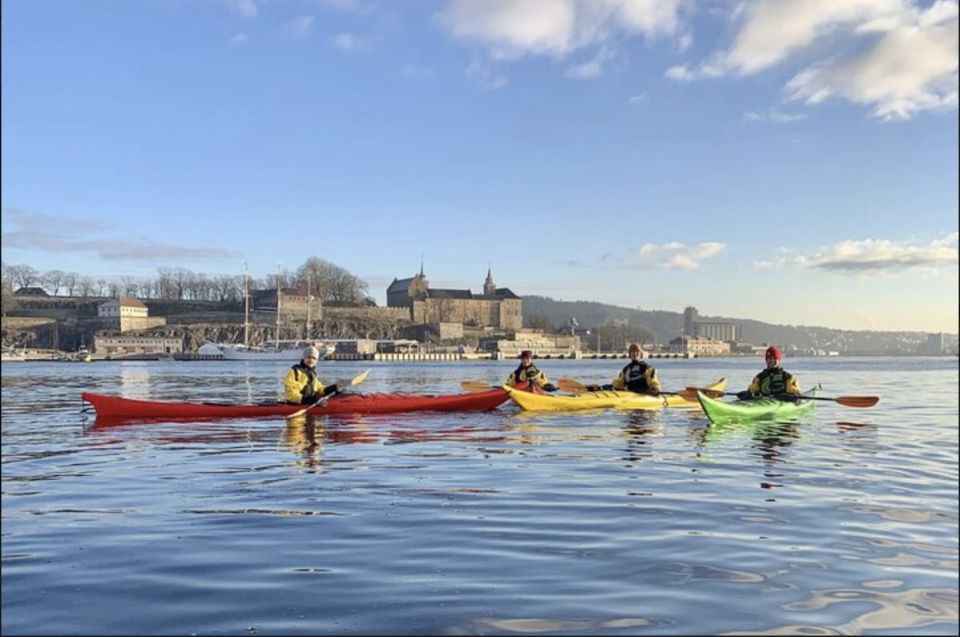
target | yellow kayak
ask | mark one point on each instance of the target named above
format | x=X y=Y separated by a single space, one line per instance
x=603 y=400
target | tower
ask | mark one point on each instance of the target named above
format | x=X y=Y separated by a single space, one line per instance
x=489 y=287
x=690 y=317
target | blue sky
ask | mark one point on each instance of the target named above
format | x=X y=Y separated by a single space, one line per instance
x=792 y=161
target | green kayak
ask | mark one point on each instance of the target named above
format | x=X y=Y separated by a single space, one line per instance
x=766 y=408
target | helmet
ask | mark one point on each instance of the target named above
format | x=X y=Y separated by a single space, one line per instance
x=775 y=352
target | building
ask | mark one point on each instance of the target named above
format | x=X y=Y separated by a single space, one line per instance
x=496 y=307
x=293 y=302
x=123 y=346
x=717 y=330
x=699 y=346
x=31 y=291
x=936 y=344
x=122 y=307
x=127 y=314
x=540 y=344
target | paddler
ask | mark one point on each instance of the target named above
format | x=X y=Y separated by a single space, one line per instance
x=302 y=386
x=636 y=376
x=528 y=373
x=774 y=380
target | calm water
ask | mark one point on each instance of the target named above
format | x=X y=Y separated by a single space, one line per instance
x=486 y=523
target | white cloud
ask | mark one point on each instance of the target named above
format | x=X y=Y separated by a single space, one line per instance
x=773 y=115
x=876 y=256
x=911 y=69
x=672 y=256
x=298 y=28
x=905 y=61
x=515 y=28
x=349 y=42
x=56 y=234
x=593 y=68
x=638 y=99
x=485 y=75
x=246 y=8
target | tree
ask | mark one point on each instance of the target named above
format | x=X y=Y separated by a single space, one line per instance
x=330 y=283
x=86 y=286
x=540 y=321
x=54 y=280
x=70 y=282
x=23 y=276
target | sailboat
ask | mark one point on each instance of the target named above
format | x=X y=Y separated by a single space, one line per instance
x=281 y=350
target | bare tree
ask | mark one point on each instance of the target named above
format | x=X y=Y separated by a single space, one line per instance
x=70 y=282
x=54 y=279
x=23 y=276
x=101 y=286
x=86 y=286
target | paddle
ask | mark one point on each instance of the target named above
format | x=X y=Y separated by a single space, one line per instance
x=477 y=385
x=846 y=401
x=575 y=386
x=356 y=380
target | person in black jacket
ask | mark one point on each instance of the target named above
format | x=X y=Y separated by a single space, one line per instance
x=636 y=376
x=774 y=380
x=528 y=376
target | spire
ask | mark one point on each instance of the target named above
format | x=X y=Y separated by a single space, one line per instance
x=421 y=266
x=489 y=287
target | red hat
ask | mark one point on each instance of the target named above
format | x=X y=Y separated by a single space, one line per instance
x=526 y=352
x=775 y=352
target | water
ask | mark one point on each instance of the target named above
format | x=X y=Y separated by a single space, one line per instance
x=485 y=523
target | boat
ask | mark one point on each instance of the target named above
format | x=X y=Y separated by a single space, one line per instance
x=756 y=408
x=12 y=356
x=281 y=351
x=127 y=409
x=623 y=400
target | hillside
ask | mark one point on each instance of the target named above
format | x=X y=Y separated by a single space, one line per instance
x=665 y=326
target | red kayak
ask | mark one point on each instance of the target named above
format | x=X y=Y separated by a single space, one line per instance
x=115 y=407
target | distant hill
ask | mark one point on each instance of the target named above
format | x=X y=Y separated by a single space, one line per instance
x=665 y=326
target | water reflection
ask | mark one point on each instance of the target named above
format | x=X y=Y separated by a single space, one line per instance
x=640 y=430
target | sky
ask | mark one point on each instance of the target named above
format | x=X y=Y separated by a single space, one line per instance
x=789 y=161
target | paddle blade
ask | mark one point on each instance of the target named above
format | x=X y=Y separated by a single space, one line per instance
x=571 y=385
x=858 y=401
x=711 y=393
x=359 y=378
x=475 y=385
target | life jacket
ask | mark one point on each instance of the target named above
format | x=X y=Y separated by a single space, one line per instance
x=773 y=381
x=311 y=374
x=527 y=374
x=634 y=376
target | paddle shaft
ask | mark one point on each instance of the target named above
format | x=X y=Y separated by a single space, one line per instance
x=356 y=380
x=847 y=401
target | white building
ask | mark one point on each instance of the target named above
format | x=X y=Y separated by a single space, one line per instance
x=122 y=308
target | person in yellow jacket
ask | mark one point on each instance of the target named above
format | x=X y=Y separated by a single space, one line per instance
x=302 y=386
x=636 y=376
x=528 y=373
x=774 y=380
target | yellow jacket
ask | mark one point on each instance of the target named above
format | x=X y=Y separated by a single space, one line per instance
x=302 y=386
x=530 y=373
x=637 y=376
x=774 y=381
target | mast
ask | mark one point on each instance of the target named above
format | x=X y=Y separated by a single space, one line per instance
x=309 y=303
x=278 y=307
x=246 y=306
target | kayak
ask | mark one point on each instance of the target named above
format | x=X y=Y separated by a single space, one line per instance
x=757 y=408
x=108 y=406
x=602 y=400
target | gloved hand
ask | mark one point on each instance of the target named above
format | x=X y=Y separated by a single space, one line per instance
x=549 y=387
x=607 y=387
x=330 y=389
x=744 y=395
x=653 y=392
x=593 y=387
